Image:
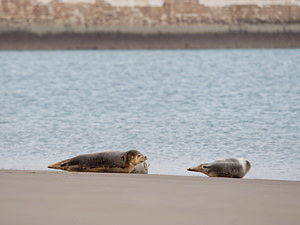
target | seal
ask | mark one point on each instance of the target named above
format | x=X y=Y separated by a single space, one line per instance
x=109 y=162
x=141 y=168
x=231 y=167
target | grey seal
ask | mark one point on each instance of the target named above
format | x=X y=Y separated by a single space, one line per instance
x=110 y=162
x=141 y=168
x=230 y=167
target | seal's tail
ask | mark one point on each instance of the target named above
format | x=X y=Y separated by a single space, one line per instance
x=62 y=165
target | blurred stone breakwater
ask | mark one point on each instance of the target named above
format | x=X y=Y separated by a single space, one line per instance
x=148 y=12
x=33 y=19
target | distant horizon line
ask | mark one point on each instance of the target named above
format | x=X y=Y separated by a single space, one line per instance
x=148 y=30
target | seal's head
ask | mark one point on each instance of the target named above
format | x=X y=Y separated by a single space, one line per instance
x=134 y=157
x=141 y=168
x=248 y=166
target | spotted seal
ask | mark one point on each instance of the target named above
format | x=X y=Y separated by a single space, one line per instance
x=231 y=167
x=110 y=162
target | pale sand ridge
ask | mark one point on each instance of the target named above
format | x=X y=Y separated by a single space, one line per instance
x=42 y=197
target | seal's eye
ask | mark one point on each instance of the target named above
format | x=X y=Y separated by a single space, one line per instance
x=139 y=156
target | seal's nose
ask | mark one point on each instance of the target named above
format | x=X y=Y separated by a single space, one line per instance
x=145 y=157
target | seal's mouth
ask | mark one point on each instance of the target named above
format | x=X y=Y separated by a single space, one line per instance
x=190 y=169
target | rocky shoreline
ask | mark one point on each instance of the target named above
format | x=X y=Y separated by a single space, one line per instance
x=169 y=37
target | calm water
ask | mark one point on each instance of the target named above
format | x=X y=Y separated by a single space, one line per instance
x=178 y=107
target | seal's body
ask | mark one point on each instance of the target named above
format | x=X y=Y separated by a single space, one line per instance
x=141 y=168
x=231 y=167
x=110 y=162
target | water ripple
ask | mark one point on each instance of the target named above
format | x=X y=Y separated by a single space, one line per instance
x=179 y=107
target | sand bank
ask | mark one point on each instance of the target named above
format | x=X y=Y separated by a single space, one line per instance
x=42 y=197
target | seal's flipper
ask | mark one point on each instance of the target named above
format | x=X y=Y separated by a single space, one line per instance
x=60 y=165
x=74 y=168
x=63 y=164
x=206 y=166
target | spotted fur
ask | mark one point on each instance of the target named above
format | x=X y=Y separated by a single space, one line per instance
x=230 y=167
x=112 y=162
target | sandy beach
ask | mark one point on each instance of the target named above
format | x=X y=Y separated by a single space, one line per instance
x=50 y=197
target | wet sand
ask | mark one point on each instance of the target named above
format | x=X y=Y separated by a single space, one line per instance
x=50 y=197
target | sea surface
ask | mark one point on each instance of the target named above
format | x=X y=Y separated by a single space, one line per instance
x=179 y=107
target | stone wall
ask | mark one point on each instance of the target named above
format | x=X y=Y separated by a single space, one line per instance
x=148 y=12
x=149 y=24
